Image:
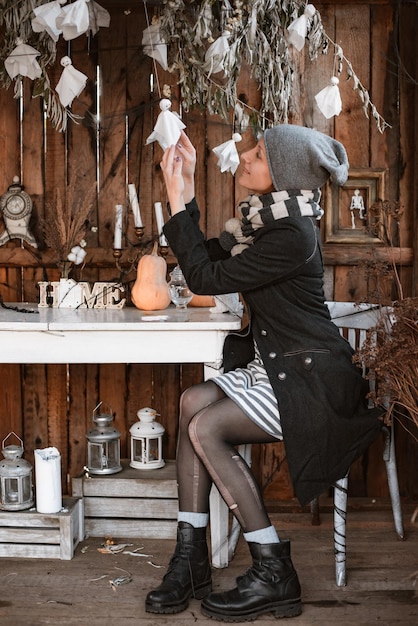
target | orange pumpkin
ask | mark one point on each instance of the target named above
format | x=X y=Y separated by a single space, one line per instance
x=202 y=301
x=150 y=290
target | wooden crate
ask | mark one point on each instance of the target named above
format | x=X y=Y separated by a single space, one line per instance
x=42 y=535
x=133 y=503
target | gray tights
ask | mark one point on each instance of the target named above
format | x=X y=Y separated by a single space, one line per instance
x=210 y=427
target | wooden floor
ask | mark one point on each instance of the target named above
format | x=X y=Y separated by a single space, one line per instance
x=382 y=578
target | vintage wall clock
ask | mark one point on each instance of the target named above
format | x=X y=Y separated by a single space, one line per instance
x=16 y=207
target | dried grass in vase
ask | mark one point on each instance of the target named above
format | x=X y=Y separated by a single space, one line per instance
x=67 y=222
x=390 y=351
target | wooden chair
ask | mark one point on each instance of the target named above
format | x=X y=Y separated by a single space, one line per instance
x=353 y=321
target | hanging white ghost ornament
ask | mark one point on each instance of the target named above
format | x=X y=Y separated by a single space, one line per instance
x=98 y=17
x=22 y=61
x=329 y=99
x=216 y=56
x=71 y=83
x=154 y=45
x=298 y=29
x=228 y=158
x=45 y=18
x=74 y=19
x=167 y=128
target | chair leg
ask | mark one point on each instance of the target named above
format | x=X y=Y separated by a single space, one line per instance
x=340 y=515
x=389 y=457
x=315 y=517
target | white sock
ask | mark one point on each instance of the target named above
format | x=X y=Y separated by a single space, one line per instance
x=264 y=536
x=197 y=520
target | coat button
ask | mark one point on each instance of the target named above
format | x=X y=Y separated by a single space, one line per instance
x=308 y=360
x=264 y=332
x=281 y=375
x=272 y=355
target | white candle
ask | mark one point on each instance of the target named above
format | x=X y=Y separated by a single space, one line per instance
x=117 y=241
x=133 y=199
x=48 y=480
x=160 y=223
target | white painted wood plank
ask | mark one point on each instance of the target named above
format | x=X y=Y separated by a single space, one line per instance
x=33 y=551
x=30 y=535
x=130 y=529
x=130 y=508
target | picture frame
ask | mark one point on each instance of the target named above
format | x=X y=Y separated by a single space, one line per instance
x=346 y=207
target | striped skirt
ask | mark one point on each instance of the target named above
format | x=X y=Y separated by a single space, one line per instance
x=251 y=390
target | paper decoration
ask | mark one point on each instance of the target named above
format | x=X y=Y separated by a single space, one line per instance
x=228 y=158
x=154 y=45
x=298 y=29
x=22 y=61
x=45 y=18
x=74 y=19
x=71 y=83
x=48 y=480
x=228 y=303
x=167 y=128
x=77 y=255
x=329 y=99
x=216 y=55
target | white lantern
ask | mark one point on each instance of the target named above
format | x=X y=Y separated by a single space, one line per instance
x=147 y=441
x=16 y=486
x=103 y=447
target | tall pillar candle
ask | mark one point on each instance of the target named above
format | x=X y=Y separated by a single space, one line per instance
x=160 y=223
x=117 y=241
x=133 y=199
x=48 y=480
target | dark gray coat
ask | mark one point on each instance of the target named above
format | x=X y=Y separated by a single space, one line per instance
x=320 y=393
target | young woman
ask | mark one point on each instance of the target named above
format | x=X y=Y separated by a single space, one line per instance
x=288 y=376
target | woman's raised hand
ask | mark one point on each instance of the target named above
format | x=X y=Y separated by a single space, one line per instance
x=171 y=167
x=186 y=150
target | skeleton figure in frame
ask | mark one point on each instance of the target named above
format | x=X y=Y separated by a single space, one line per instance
x=357 y=203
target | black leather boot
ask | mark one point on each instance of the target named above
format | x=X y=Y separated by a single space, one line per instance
x=188 y=573
x=271 y=585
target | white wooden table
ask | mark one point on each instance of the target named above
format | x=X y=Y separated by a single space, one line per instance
x=61 y=335
x=58 y=335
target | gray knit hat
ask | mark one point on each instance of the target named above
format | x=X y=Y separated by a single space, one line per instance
x=303 y=158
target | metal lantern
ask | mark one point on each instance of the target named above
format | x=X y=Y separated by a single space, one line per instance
x=147 y=441
x=16 y=486
x=103 y=447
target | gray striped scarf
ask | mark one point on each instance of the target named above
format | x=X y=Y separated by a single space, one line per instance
x=257 y=211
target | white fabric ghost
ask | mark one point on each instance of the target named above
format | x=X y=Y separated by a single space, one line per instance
x=22 y=61
x=329 y=99
x=74 y=19
x=228 y=158
x=298 y=29
x=98 y=17
x=45 y=18
x=154 y=45
x=216 y=55
x=71 y=83
x=167 y=128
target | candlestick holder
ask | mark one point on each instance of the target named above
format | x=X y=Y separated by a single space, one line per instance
x=164 y=251
x=139 y=232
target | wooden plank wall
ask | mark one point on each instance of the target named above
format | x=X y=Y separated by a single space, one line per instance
x=53 y=404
